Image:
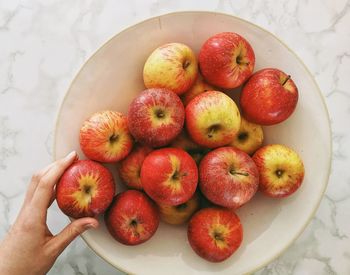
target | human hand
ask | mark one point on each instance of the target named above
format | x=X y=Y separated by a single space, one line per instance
x=29 y=247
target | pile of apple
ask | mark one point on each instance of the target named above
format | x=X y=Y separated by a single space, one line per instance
x=187 y=158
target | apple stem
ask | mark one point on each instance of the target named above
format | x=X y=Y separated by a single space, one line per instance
x=241 y=173
x=133 y=223
x=242 y=136
x=218 y=237
x=176 y=175
x=186 y=64
x=160 y=113
x=233 y=172
x=87 y=189
x=285 y=81
x=113 y=138
x=240 y=62
x=279 y=173
x=212 y=129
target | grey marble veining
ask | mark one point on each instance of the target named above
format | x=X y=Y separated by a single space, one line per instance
x=44 y=42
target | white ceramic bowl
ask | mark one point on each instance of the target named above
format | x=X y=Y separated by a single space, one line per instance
x=112 y=77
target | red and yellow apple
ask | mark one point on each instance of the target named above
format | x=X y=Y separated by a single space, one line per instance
x=172 y=66
x=200 y=86
x=85 y=189
x=183 y=141
x=169 y=176
x=130 y=167
x=226 y=60
x=268 y=97
x=179 y=214
x=215 y=233
x=228 y=177
x=132 y=218
x=249 y=137
x=156 y=117
x=281 y=170
x=105 y=137
x=212 y=119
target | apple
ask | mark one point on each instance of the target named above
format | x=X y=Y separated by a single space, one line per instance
x=183 y=141
x=130 y=167
x=228 y=177
x=85 y=189
x=105 y=137
x=212 y=119
x=281 y=170
x=226 y=60
x=249 y=137
x=132 y=218
x=156 y=117
x=200 y=86
x=172 y=66
x=269 y=97
x=179 y=214
x=215 y=233
x=169 y=176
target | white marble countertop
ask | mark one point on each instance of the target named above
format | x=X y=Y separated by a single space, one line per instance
x=44 y=42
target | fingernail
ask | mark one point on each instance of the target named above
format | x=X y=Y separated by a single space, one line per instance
x=90 y=226
x=70 y=155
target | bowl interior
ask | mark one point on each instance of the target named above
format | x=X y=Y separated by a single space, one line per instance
x=112 y=77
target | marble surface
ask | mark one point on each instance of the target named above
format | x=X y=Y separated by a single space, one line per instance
x=44 y=42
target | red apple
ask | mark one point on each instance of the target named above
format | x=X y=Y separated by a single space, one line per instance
x=179 y=214
x=281 y=170
x=172 y=66
x=130 y=167
x=249 y=137
x=156 y=117
x=200 y=86
x=132 y=218
x=85 y=189
x=228 y=177
x=226 y=60
x=212 y=119
x=169 y=176
x=105 y=137
x=269 y=97
x=215 y=233
x=183 y=141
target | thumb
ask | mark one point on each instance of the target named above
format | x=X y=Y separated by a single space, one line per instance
x=71 y=231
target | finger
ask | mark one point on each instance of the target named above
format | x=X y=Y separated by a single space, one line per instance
x=70 y=232
x=34 y=182
x=44 y=190
x=48 y=232
x=53 y=197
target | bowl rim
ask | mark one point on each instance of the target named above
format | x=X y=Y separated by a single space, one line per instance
x=312 y=213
